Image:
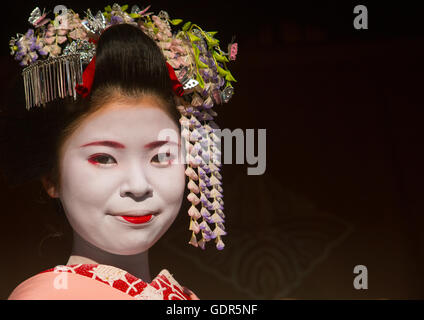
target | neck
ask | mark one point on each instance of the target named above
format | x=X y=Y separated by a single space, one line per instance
x=85 y=253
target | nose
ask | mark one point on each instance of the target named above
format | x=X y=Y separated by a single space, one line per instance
x=135 y=183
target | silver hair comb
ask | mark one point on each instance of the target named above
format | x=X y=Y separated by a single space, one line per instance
x=53 y=78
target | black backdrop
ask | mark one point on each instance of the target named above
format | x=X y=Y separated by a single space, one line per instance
x=343 y=113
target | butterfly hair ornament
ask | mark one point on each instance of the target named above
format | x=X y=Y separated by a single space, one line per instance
x=58 y=55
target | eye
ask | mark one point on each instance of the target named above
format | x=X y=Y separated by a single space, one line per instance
x=163 y=158
x=102 y=159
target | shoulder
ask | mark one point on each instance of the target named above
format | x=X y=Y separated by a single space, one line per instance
x=65 y=286
x=38 y=287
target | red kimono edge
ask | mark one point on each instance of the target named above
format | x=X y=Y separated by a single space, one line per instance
x=99 y=282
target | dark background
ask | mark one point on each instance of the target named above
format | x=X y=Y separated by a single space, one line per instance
x=343 y=113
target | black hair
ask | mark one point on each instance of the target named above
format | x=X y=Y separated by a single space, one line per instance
x=127 y=61
x=128 y=58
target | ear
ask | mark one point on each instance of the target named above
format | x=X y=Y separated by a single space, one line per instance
x=49 y=187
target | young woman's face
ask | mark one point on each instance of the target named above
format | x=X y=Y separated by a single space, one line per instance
x=113 y=171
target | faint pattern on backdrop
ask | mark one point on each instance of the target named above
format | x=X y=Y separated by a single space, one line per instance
x=275 y=239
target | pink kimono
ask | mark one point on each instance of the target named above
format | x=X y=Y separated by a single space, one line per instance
x=98 y=282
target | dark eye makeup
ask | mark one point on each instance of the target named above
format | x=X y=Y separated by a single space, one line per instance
x=101 y=158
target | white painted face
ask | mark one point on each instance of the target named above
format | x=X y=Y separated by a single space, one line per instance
x=108 y=169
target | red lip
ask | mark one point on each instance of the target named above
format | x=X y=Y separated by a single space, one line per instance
x=138 y=220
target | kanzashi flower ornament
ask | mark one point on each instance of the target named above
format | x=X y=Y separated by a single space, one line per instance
x=54 y=52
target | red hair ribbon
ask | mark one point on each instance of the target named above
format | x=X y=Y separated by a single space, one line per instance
x=88 y=76
x=177 y=87
x=87 y=79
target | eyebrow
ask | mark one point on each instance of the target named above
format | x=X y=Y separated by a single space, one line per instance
x=117 y=145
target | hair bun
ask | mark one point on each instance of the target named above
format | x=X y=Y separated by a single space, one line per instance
x=129 y=59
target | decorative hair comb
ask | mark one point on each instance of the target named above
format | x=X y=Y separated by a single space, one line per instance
x=55 y=51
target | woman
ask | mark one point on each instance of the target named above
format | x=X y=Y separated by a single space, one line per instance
x=118 y=182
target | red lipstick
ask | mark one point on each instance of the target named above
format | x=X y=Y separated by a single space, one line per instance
x=137 y=220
